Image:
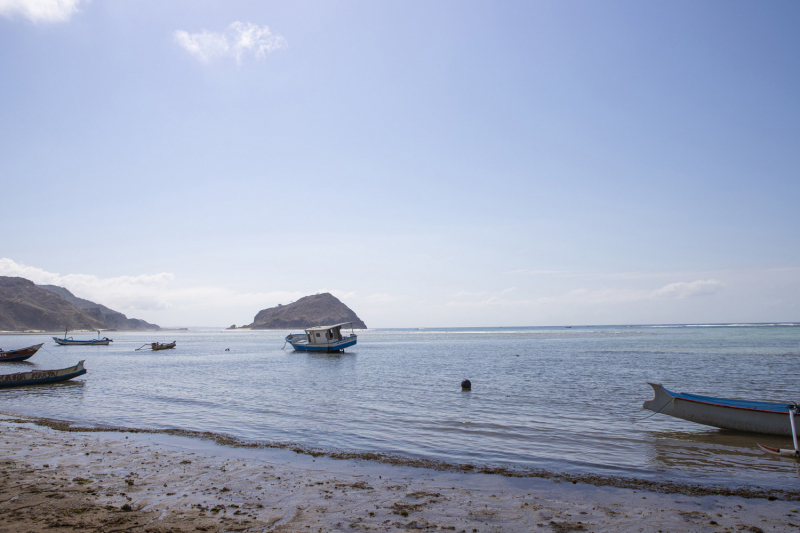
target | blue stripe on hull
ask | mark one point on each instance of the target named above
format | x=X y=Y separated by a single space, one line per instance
x=41 y=381
x=312 y=348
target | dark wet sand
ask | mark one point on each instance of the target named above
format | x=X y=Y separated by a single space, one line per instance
x=55 y=477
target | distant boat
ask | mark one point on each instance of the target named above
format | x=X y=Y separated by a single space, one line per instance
x=41 y=377
x=69 y=341
x=741 y=415
x=322 y=339
x=19 y=355
x=155 y=346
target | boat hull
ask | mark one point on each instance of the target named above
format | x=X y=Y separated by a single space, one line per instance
x=94 y=342
x=338 y=346
x=41 y=377
x=754 y=417
x=156 y=346
x=19 y=355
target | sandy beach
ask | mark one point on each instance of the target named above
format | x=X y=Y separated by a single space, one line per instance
x=59 y=478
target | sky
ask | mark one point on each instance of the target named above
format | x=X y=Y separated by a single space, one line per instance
x=432 y=164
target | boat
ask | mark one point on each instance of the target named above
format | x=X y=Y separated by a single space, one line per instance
x=322 y=339
x=41 y=377
x=155 y=346
x=88 y=342
x=741 y=415
x=19 y=355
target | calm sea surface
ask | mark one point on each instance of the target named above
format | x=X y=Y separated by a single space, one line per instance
x=553 y=398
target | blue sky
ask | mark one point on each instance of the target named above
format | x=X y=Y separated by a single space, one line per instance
x=430 y=163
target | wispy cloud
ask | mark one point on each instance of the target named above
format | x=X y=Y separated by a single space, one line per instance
x=536 y=272
x=154 y=292
x=238 y=40
x=591 y=297
x=40 y=11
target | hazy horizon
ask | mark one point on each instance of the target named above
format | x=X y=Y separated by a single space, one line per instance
x=447 y=164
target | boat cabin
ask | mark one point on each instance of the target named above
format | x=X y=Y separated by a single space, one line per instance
x=325 y=334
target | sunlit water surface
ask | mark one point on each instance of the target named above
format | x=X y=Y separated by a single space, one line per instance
x=553 y=398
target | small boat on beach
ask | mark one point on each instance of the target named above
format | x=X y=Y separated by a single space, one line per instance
x=20 y=354
x=69 y=341
x=41 y=377
x=322 y=339
x=741 y=415
x=155 y=346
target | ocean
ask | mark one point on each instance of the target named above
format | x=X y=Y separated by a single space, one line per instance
x=558 y=399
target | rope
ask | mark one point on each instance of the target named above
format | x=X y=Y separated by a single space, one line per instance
x=50 y=353
x=659 y=410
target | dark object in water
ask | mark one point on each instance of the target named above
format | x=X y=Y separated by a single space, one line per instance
x=466 y=385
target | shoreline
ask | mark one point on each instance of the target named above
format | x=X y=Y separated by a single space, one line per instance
x=394 y=460
x=65 y=477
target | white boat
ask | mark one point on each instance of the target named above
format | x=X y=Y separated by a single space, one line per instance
x=322 y=339
x=742 y=415
x=69 y=341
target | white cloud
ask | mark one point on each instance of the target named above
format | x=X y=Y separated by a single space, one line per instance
x=40 y=11
x=133 y=295
x=238 y=39
x=685 y=289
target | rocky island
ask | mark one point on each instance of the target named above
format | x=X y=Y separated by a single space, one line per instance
x=315 y=310
x=25 y=306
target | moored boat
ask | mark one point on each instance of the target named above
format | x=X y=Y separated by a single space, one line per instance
x=69 y=341
x=41 y=377
x=155 y=346
x=20 y=354
x=742 y=415
x=322 y=339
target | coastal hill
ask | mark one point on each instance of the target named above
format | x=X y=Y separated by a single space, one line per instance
x=25 y=306
x=110 y=318
x=318 y=309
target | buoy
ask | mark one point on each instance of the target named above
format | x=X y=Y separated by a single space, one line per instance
x=466 y=385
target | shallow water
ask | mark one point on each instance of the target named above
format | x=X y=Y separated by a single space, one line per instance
x=553 y=398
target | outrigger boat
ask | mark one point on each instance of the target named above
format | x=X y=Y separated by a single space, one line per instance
x=19 y=355
x=155 y=346
x=88 y=342
x=742 y=415
x=322 y=339
x=41 y=377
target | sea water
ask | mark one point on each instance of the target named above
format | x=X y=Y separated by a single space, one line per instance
x=560 y=399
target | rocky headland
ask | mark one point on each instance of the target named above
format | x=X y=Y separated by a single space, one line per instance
x=110 y=318
x=25 y=306
x=315 y=310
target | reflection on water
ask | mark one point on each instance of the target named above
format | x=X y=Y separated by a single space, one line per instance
x=718 y=455
x=567 y=400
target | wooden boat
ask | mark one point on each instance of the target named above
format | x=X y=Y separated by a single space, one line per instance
x=322 y=339
x=19 y=355
x=41 y=377
x=741 y=415
x=88 y=342
x=155 y=346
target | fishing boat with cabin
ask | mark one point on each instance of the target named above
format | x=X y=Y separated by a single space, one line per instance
x=20 y=354
x=323 y=339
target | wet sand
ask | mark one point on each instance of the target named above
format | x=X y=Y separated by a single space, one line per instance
x=56 y=479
